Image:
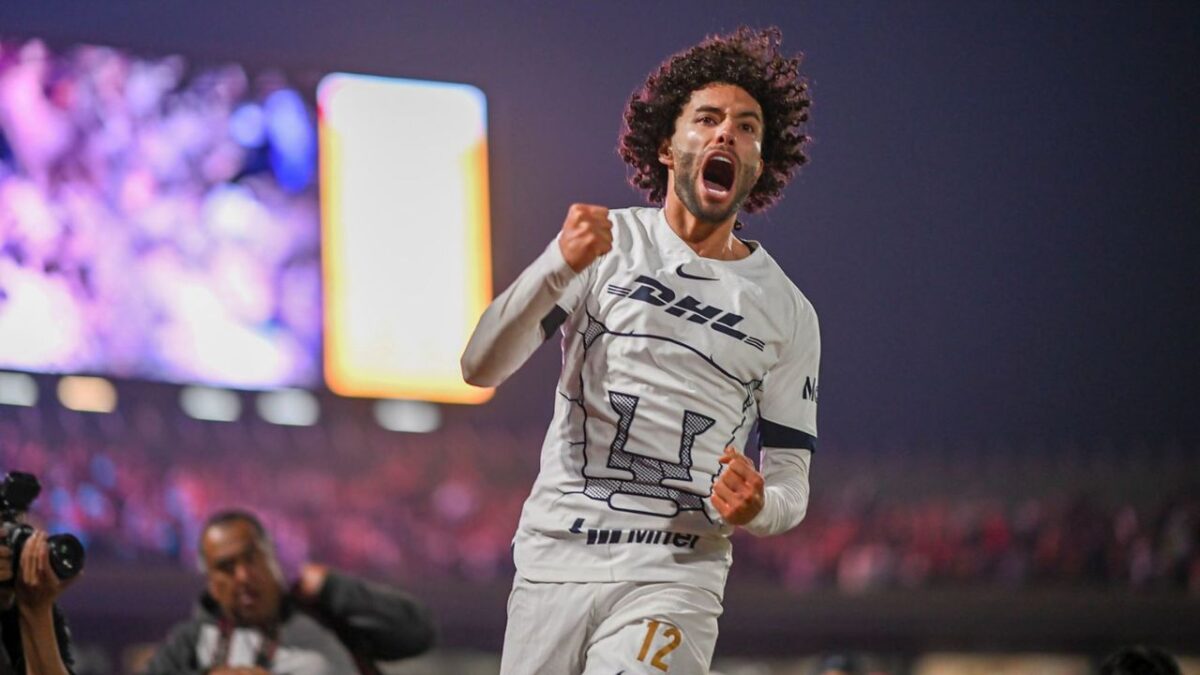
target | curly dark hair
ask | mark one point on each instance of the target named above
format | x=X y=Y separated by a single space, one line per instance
x=1140 y=660
x=747 y=58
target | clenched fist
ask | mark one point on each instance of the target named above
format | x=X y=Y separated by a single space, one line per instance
x=586 y=235
x=738 y=492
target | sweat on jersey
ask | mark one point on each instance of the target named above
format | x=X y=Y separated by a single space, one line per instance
x=667 y=359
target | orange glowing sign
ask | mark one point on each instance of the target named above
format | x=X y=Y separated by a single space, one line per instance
x=406 y=248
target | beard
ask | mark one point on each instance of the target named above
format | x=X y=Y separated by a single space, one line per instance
x=687 y=177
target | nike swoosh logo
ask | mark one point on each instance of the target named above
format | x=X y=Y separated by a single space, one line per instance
x=685 y=275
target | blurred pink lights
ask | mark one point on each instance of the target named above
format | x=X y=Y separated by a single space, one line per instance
x=157 y=221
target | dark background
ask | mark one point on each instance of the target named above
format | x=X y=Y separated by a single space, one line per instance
x=997 y=227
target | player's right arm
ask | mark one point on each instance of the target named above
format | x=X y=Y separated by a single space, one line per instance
x=533 y=307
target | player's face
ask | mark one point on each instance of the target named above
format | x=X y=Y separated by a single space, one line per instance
x=243 y=576
x=715 y=155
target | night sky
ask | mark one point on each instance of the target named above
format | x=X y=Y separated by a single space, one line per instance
x=998 y=225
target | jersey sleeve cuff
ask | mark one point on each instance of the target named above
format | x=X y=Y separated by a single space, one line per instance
x=761 y=525
x=554 y=268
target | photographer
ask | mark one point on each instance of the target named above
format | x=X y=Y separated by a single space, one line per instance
x=249 y=623
x=34 y=633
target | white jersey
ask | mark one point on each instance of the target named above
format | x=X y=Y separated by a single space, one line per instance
x=667 y=359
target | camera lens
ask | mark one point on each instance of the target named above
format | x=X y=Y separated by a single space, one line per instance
x=66 y=555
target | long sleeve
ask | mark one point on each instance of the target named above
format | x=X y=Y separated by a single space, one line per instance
x=374 y=621
x=785 y=493
x=521 y=318
x=788 y=428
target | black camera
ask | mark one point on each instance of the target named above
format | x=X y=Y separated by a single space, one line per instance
x=17 y=492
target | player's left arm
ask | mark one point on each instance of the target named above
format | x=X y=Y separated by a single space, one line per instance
x=776 y=499
x=764 y=503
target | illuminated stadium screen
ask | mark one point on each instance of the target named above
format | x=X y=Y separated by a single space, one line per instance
x=406 y=245
x=161 y=220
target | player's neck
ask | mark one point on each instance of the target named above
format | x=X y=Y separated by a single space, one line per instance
x=707 y=239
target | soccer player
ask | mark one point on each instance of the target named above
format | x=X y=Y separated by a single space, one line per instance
x=678 y=336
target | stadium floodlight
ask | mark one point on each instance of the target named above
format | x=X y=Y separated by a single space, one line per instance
x=87 y=394
x=290 y=407
x=409 y=416
x=210 y=404
x=18 y=389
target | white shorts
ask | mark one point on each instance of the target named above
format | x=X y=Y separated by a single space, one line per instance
x=607 y=628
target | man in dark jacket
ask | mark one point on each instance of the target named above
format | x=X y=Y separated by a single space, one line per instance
x=249 y=623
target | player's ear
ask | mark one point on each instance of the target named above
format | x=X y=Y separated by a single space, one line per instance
x=664 y=154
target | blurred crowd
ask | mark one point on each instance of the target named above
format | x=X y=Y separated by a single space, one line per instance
x=1069 y=539
x=136 y=486
x=157 y=219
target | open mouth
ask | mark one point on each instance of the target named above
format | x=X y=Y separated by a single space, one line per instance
x=246 y=598
x=718 y=174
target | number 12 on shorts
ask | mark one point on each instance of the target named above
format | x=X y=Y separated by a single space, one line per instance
x=673 y=638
